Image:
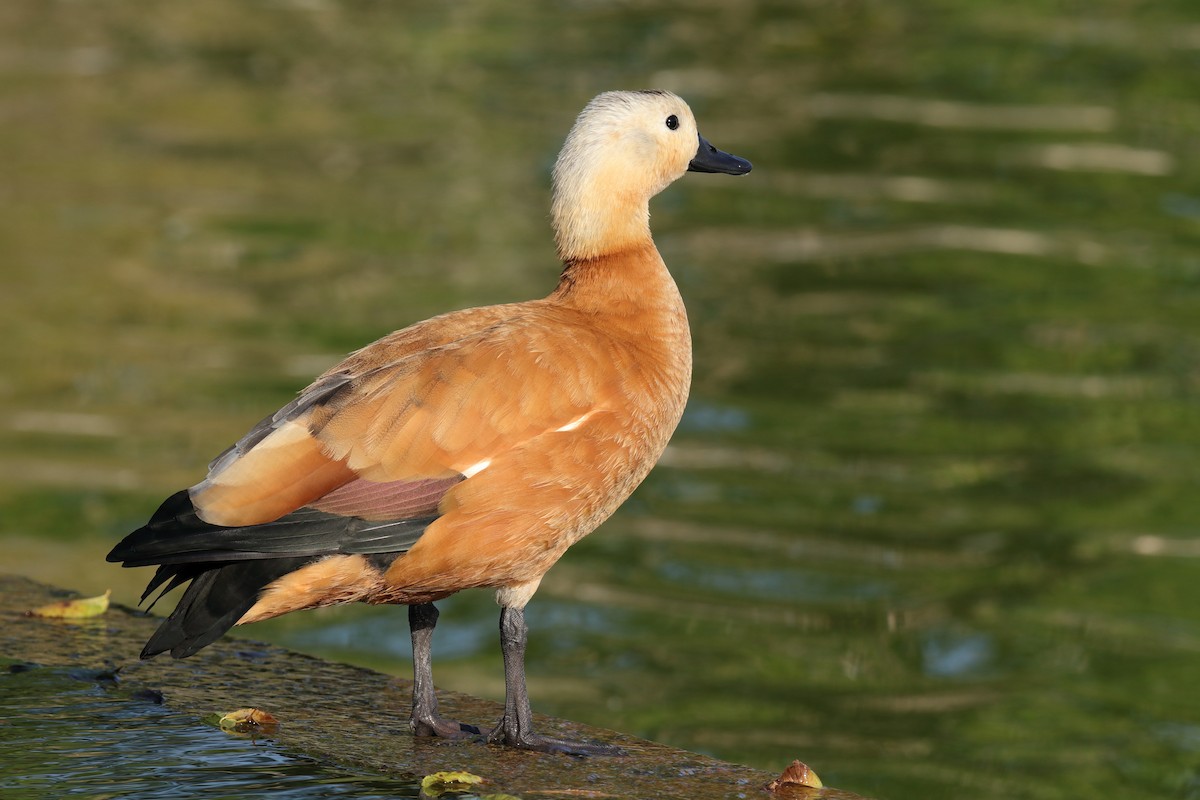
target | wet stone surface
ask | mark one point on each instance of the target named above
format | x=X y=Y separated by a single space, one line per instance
x=330 y=714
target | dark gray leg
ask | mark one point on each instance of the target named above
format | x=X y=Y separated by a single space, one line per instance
x=425 y=720
x=516 y=727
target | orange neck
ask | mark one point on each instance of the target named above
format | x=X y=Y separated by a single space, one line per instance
x=632 y=280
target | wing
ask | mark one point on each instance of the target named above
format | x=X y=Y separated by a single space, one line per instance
x=387 y=432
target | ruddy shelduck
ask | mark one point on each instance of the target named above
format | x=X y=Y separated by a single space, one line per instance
x=469 y=450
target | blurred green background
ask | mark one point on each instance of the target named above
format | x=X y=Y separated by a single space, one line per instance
x=930 y=522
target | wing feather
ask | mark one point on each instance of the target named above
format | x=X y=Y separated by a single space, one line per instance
x=421 y=405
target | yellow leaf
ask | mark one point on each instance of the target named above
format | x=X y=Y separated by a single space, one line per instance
x=439 y=782
x=79 y=608
x=247 y=719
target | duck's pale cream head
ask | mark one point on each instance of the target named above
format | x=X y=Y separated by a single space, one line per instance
x=625 y=148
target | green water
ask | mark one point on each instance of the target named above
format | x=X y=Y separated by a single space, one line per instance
x=86 y=742
x=930 y=523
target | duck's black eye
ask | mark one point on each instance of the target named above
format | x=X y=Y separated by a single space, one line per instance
x=672 y=122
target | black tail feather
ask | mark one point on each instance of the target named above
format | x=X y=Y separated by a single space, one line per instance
x=218 y=596
x=230 y=566
x=178 y=574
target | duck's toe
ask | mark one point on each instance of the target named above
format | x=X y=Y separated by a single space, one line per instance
x=441 y=727
x=549 y=744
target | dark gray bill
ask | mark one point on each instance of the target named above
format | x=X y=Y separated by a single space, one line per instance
x=710 y=159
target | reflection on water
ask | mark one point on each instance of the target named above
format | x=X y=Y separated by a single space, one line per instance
x=929 y=522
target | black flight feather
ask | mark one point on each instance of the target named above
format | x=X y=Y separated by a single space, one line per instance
x=177 y=535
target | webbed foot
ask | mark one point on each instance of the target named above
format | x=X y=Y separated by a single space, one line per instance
x=509 y=735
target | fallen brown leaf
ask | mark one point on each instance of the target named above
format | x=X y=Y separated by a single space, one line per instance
x=797 y=774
